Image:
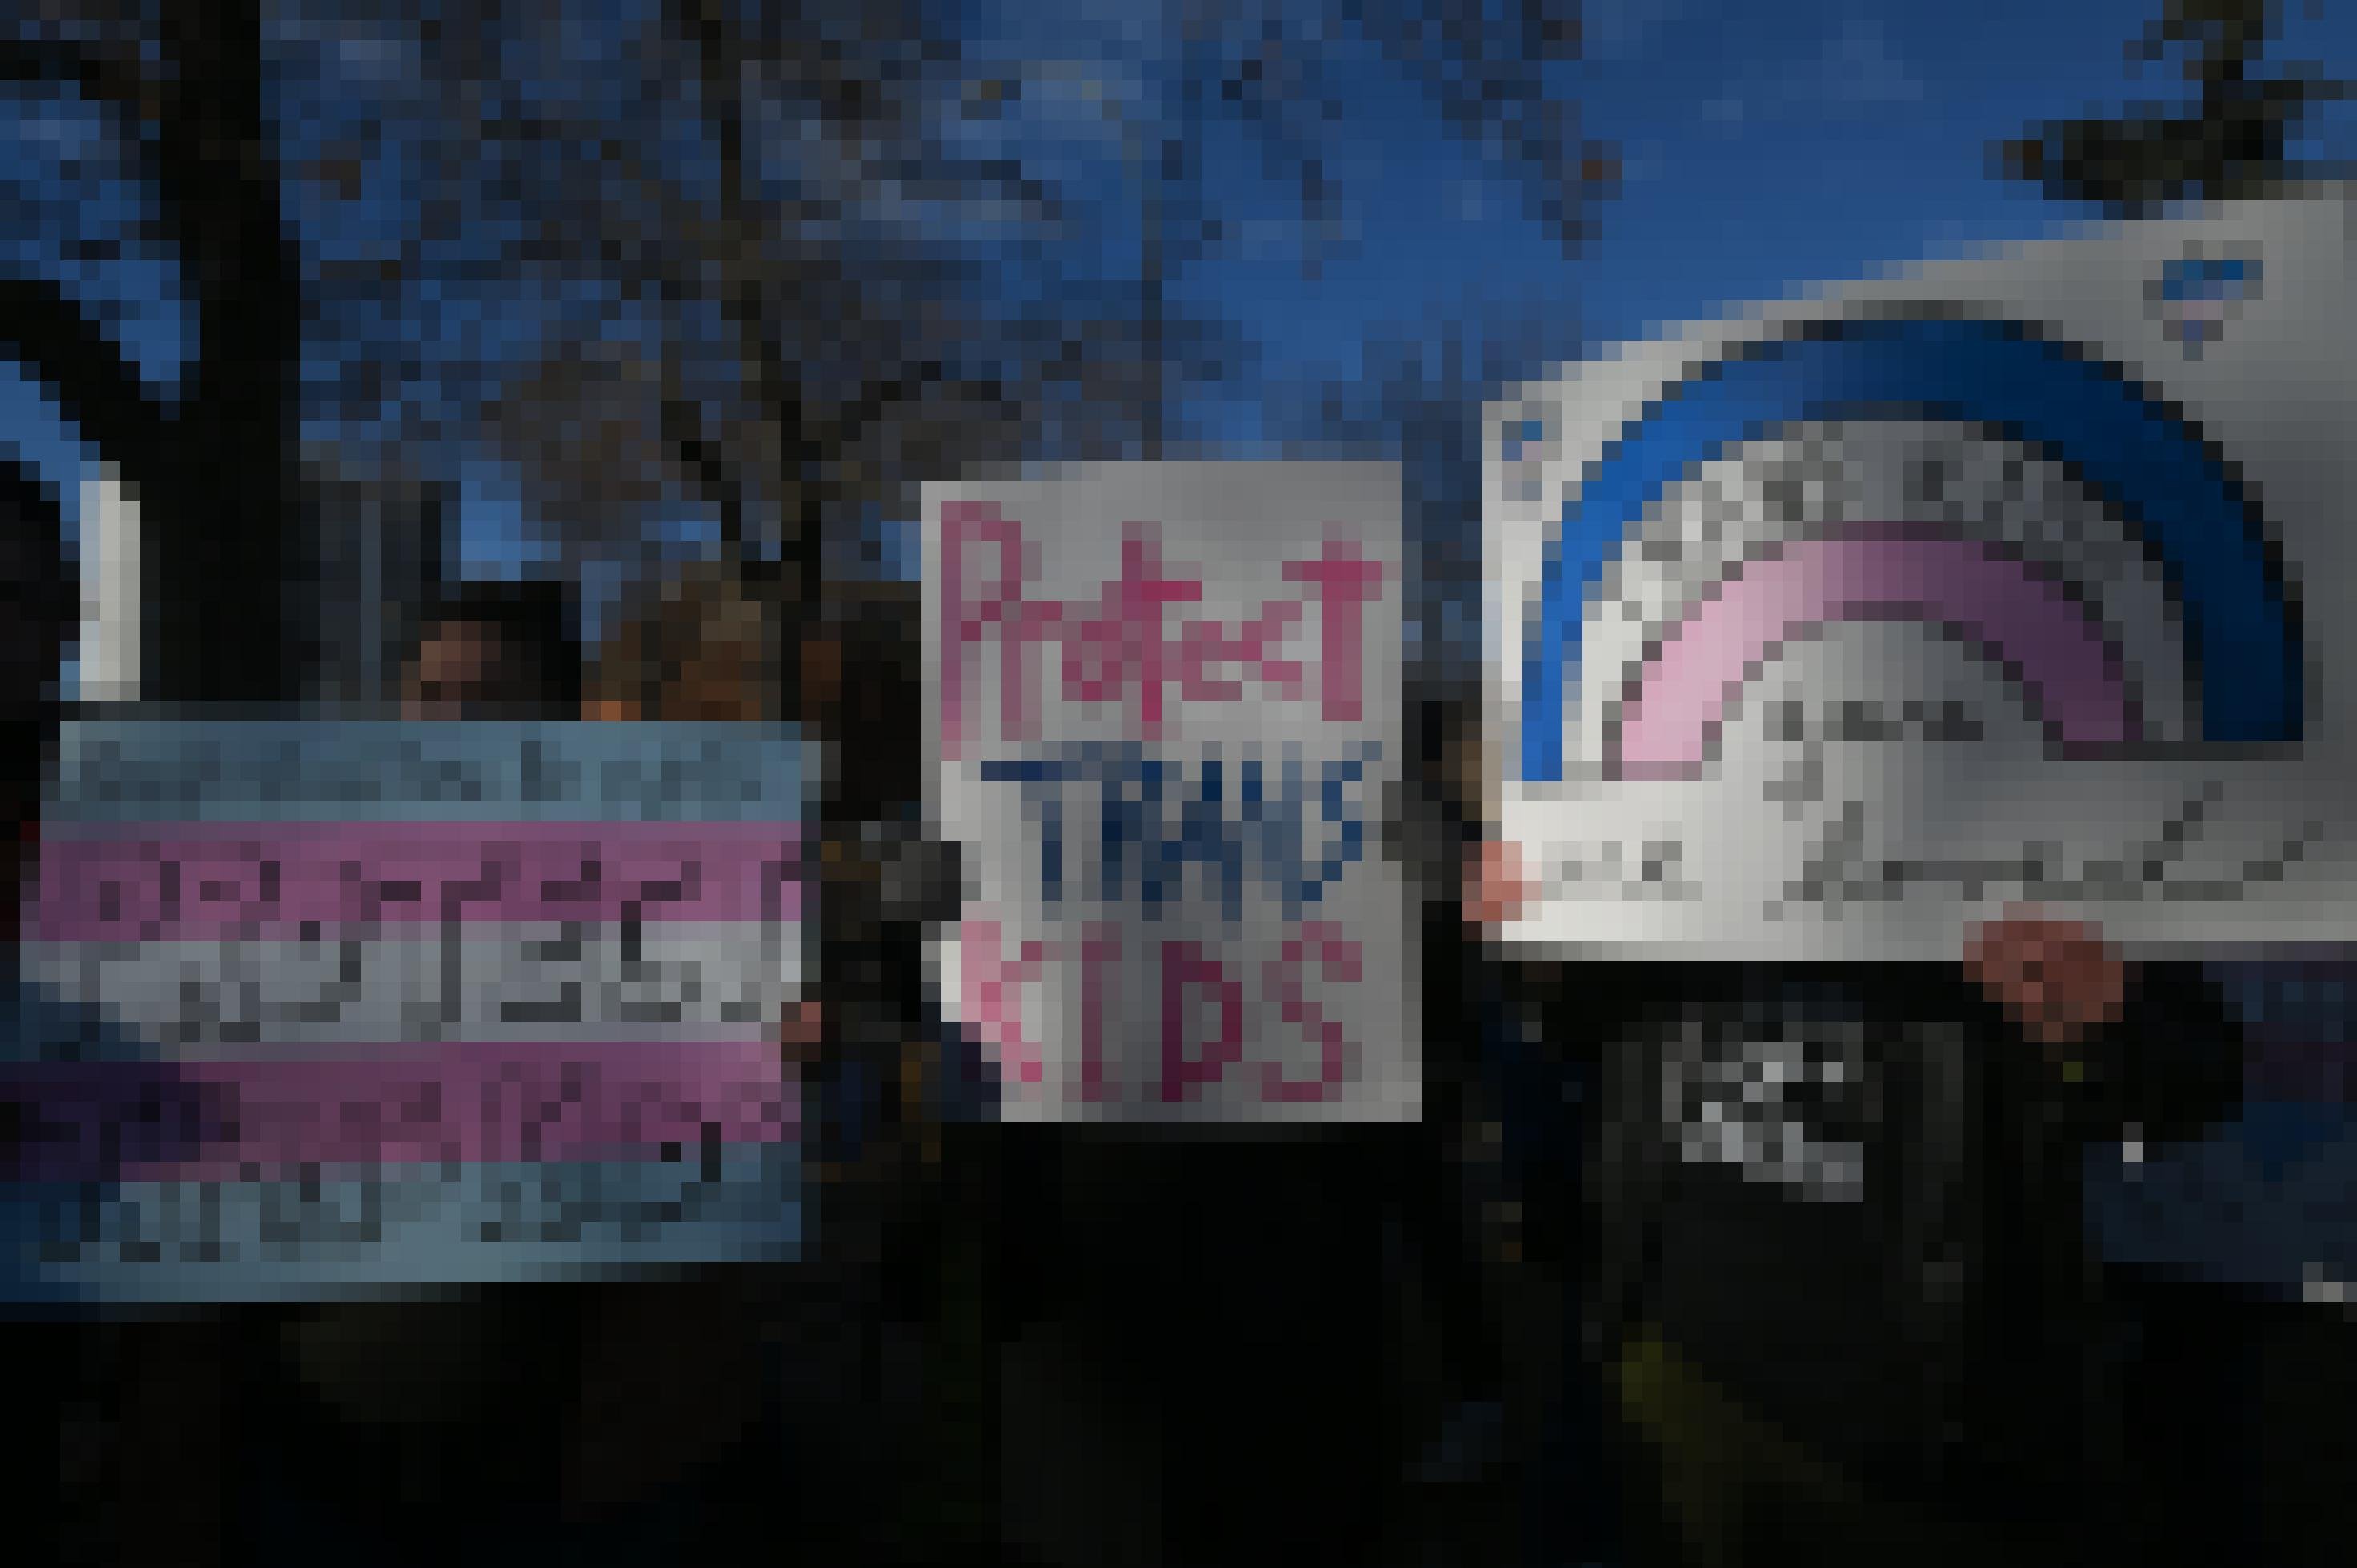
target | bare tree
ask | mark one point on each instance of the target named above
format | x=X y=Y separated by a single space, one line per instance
x=2234 y=139
x=732 y=264
x=812 y=332
x=768 y=226
x=212 y=467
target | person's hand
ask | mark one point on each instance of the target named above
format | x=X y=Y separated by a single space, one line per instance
x=1496 y=887
x=2055 y=979
x=803 y=1033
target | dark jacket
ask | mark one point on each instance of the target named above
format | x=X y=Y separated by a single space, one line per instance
x=1853 y=1199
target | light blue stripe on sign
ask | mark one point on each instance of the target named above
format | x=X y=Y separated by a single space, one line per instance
x=66 y=1242
x=133 y=770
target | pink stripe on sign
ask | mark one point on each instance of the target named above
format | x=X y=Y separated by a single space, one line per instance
x=2049 y=640
x=223 y=881
x=392 y=1105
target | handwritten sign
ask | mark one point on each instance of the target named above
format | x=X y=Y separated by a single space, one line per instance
x=1827 y=630
x=309 y=1008
x=1165 y=716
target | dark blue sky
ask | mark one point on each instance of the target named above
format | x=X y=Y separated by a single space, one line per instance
x=1763 y=147
x=1775 y=144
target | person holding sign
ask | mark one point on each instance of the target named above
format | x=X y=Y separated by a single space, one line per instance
x=725 y=644
x=1843 y=1296
x=432 y=1389
x=144 y=1407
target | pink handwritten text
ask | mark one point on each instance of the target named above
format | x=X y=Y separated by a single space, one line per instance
x=1124 y=647
x=1193 y=1058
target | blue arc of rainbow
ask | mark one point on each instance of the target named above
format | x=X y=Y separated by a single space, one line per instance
x=2133 y=448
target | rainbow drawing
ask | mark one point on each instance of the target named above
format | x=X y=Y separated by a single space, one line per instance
x=1826 y=629
x=2131 y=445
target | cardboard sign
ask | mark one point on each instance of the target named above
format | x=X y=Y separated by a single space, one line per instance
x=1828 y=630
x=1164 y=706
x=309 y=1008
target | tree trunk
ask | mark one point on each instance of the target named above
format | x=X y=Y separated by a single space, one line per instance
x=219 y=557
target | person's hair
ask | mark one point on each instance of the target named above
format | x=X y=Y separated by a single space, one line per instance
x=699 y=643
x=533 y=622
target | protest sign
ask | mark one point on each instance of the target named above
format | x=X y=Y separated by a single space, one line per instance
x=1164 y=715
x=308 y=1008
x=1827 y=630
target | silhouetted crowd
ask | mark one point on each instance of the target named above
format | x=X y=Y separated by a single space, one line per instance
x=1680 y=1266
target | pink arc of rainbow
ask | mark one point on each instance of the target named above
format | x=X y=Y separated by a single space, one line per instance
x=2047 y=640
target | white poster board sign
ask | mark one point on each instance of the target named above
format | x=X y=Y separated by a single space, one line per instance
x=1830 y=629
x=1165 y=716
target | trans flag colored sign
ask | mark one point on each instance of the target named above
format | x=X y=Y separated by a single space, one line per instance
x=1164 y=709
x=310 y=1008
